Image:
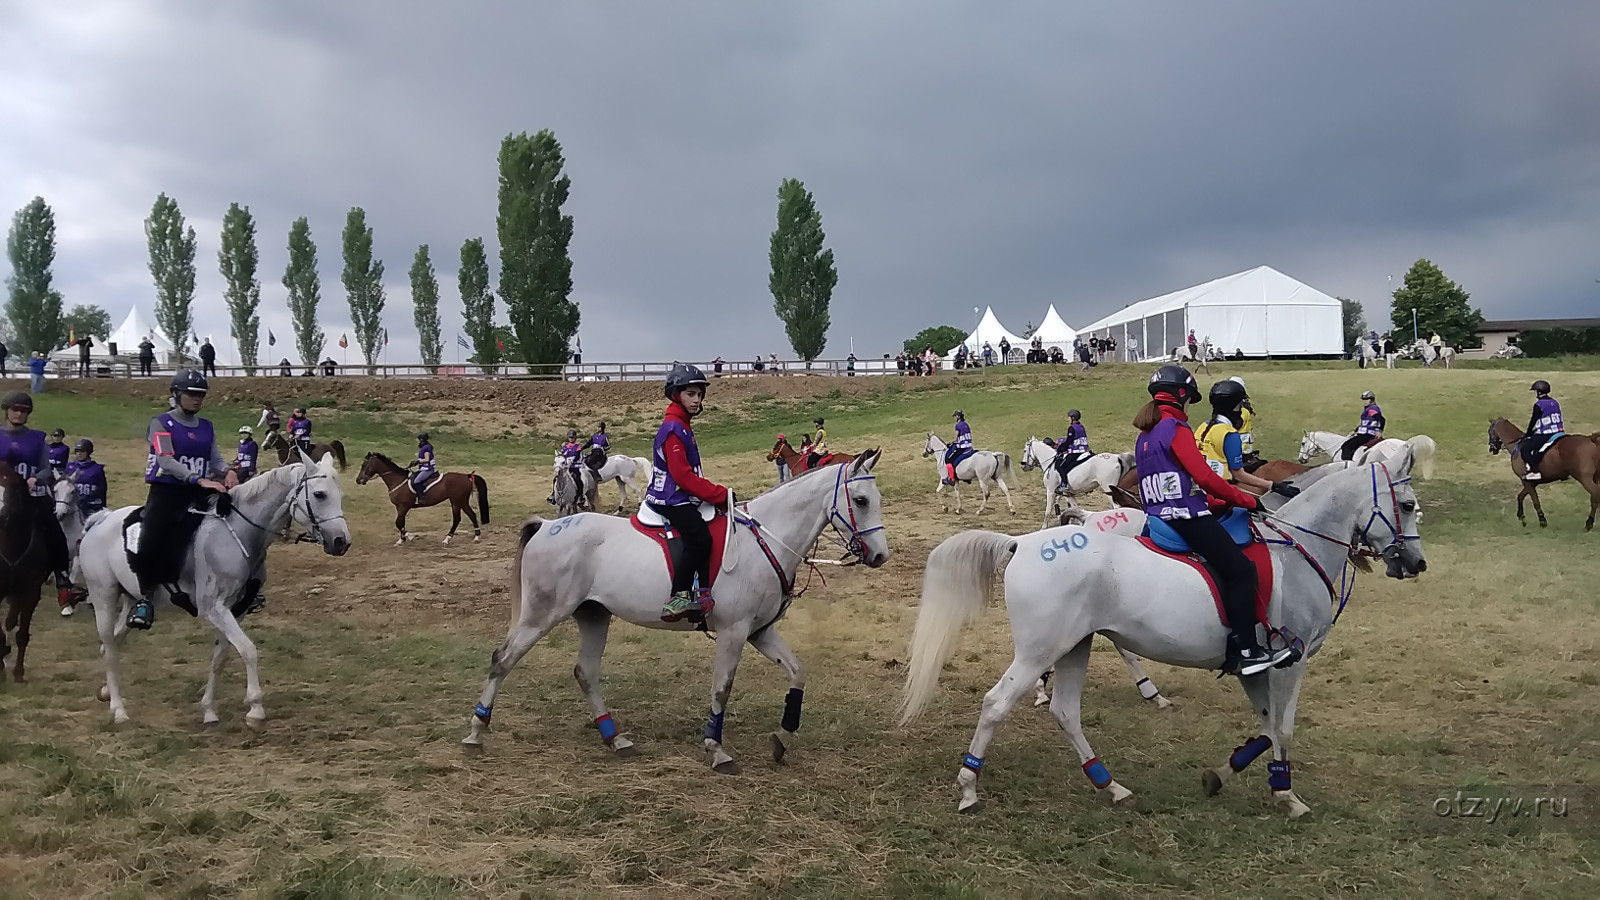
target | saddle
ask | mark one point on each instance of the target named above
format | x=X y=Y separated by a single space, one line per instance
x=1066 y=462
x=1159 y=537
x=1533 y=449
x=427 y=485
x=650 y=524
x=822 y=460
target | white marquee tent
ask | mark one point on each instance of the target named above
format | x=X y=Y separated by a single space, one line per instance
x=1055 y=332
x=1261 y=312
x=989 y=331
x=134 y=329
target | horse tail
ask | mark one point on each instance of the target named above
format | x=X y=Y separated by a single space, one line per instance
x=338 y=453
x=1005 y=467
x=1423 y=450
x=483 y=502
x=529 y=529
x=956 y=583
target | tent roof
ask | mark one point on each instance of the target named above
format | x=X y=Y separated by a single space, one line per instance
x=1054 y=330
x=1261 y=286
x=135 y=328
x=990 y=331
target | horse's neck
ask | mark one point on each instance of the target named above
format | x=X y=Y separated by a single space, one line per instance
x=795 y=513
x=1042 y=452
x=267 y=507
x=392 y=474
x=1337 y=516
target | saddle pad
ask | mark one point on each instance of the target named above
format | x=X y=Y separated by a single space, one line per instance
x=672 y=544
x=1258 y=554
x=649 y=518
x=428 y=485
x=1543 y=448
x=1236 y=523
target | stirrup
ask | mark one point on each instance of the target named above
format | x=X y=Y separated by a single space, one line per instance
x=142 y=616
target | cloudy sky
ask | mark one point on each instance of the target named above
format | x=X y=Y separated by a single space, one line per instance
x=1083 y=154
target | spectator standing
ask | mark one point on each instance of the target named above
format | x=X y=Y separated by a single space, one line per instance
x=3 y=354
x=147 y=355
x=1005 y=351
x=84 y=343
x=283 y=368
x=36 y=372
x=208 y=359
x=850 y=365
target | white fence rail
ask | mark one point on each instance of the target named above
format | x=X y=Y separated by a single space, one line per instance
x=129 y=367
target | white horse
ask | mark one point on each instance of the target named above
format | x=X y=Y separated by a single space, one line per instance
x=1065 y=585
x=1429 y=354
x=629 y=473
x=562 y=487
x=227 y=555
x=1422 y=448
x=983 y=466
x=70 y=517
x=1099 y=472
x=590 y=567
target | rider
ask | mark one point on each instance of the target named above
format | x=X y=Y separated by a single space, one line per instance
x=1545 y=421
x=183 y=462
x=424 y=463
x=1176 y=486
x=248 y=456
x=25 y=449
x=60 y=453
x=269 y=418
x=88 y=478
x=572 y=453
x=962 y=444
x=677 y=489
x=1074 y=447
x=1369 y=432
x=1247 y=431
x=300 y=430
x=1223 y=446
x=819 y=445
x=601 y=442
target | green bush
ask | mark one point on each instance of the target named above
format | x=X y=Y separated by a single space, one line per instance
x=1556 y=341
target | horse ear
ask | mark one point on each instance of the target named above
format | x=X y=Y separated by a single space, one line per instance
x=1402 y=464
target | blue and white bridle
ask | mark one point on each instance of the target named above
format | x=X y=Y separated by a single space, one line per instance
x=852 y=543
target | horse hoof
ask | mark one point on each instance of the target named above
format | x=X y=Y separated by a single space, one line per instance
x=627 y=751
x=472 y=747
x=1119 y=795
x=727 y=767
x=447 y=539
x=779 y=747
x=476 y=538
x=104 y=694
x=401 y=540
x=66 y=611
x=256 y=724
x=1293 y=806
x=19 y=678
x=1163 y=703
x=1211 y=782
x=970 y=809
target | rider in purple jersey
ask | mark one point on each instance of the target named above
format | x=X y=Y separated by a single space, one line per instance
x=1542 y=425
x=26 y=451
x=60 y=453
x=181 y=468
x=677 y=489
x=88 y=478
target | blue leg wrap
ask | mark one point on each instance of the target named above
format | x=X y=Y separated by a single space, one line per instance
x=1278 y=775
x=1096 y=770
x=791 y=709
x=968 y=761
x=714 y=727
x=1245 y=755
x=483 y=713
x=608 y=728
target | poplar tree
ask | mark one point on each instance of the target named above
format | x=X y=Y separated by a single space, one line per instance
x=535 y=268
x=32 y=305
x=363 y=284
x=172 y=246
x=477 y=303
x=803 y=276
x=425 y=307
x=305 y=292
x=238 y=258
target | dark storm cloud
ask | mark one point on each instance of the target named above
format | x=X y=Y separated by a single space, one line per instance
x=961 y=154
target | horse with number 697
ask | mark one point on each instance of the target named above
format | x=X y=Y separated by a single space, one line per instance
x=1065 y=585
x=590 y=567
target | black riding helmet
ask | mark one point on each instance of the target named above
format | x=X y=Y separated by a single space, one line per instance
x=1540 y=387
x=960 y=415
x=188 y=381
x=1227 y=395
x=602 y=427
x=59 y=433
x=84 y=445
x=1368 y=395
x=683 y=376
x=15 y=399
x=1074 y=415
x=1175 y=381
x=422 y=437
x=817 y=421
x=572 y=433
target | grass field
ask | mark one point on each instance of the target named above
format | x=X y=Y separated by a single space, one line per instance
x=1481 y=674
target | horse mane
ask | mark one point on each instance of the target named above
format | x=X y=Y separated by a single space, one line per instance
x=258 y=484
x=387 y=460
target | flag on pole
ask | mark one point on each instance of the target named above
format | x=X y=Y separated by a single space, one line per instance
x=501 y=344
x=462 y=341
x=344 y=342
x=72 y=335
x=272 y=339
x=386 y=337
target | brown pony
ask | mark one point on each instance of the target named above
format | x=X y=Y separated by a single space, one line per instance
x=1575 y=456
x=796 y=461
x=1126 y=490
x=455 y=487
x=24 y=565
x=276 y=441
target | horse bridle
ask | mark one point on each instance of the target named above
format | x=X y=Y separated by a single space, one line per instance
x=852 y=544
x=1378 y=514
x=314 y=524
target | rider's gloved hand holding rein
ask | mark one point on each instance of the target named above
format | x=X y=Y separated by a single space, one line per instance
x=1178 y=486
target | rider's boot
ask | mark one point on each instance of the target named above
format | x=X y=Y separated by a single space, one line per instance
x=143 y=614
x=68 y=594
x=680 y=605
x=1532 y=475
x=950 y=473
x=1245 y=656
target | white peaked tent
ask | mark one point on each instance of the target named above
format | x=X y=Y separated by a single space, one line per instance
x=1261 y=312
x=989 y=331
x=1055 y=332
x=136 y=328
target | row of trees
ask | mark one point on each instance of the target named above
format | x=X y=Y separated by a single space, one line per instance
x=535 y=275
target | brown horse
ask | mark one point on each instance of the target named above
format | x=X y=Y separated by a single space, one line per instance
x=1126 y=491
x=1575 y=456
x=455 y=487
x=796 y=461
x=24 y=565
x=276 y=441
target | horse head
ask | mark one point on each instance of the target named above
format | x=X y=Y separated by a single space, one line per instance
x=1495 y=442
x=317 y=505
x=931 y=446
x=1028 y=460
x=369 y=468
x=1308 y=448
x=858 y=509
x=777 y=450
x=1397 y=540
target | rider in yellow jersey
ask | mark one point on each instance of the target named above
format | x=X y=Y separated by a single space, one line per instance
x=819 y=445
x=1220 y=443
x=1247 y=431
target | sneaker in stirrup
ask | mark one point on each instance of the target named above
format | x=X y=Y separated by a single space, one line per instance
x=143 y=615
x=1532 y=475
x=680 y=605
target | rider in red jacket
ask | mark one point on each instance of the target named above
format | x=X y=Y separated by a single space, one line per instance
x=677 y=489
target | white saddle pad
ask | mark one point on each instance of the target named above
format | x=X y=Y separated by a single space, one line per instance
x=648 y=516
x=130 y=537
